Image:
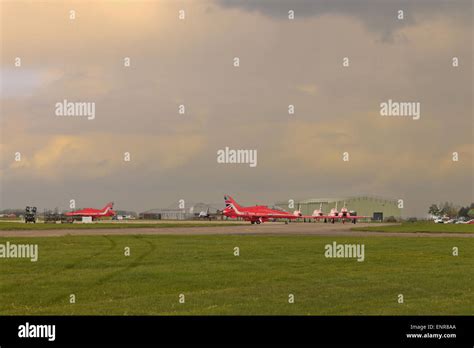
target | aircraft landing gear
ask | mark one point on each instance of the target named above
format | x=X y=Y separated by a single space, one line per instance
x=333 y=220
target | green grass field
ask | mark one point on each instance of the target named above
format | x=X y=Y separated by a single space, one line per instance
x=214 y=281
x=420 y=227
x=17 y=226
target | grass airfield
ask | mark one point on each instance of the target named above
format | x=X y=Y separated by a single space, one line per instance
x=419 y=227
x=108 y=224
x=258 y=282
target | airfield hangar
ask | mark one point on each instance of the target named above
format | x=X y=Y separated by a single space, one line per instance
x=378 y=208
x=173 y=213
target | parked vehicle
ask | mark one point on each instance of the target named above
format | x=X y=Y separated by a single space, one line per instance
x=30 y=214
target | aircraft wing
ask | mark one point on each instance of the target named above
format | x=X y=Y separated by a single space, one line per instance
x=355 y=217
x=279 y=216
x=321 y=217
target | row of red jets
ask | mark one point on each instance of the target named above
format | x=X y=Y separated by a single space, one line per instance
x=255 y=214
x=261 y=213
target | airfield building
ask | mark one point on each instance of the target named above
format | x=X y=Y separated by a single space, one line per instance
x=164 y=214
x=377 y=208
x=190 y=213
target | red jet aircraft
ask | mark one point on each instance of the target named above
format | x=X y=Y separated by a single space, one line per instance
x=256 y=214
x=261 y=213
x=94 y=213
x=334 y=215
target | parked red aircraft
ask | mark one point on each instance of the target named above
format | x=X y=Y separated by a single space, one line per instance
x=256 y=214
x=346 y=215
x=334 y=215
x=261 y=213
x=94 y=213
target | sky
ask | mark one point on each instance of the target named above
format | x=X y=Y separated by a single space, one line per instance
x=190 y=62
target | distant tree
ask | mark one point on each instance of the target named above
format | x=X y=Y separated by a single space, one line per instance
x=434 y=210
x=453 y=212
x=449 y=209
x=463 y=212
x=443 y=208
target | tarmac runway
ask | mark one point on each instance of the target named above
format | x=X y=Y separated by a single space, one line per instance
x=315 y=229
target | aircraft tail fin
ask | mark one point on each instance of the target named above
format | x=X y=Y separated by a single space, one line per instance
x=109 y=205
x=230 y=201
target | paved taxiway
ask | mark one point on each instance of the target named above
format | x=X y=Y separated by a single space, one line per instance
x=316 y=229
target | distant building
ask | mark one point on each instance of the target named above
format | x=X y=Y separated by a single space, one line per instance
x=192 y=212
x=126 y=213
x=376 y=207
x=164 y=214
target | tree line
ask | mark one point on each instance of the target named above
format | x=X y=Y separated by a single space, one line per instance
x=451 y=210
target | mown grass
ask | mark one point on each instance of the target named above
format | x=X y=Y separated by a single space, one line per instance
x=214 y=281
x=17 y=226
x=420 y=227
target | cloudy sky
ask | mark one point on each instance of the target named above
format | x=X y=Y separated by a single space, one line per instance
x=190 y=62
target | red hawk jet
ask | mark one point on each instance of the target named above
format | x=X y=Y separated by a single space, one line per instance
x=256 y=214
x=94 y=213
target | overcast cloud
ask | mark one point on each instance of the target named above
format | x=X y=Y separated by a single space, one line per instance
x=189 y=62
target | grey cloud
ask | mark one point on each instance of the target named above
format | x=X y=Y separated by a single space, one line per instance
x=379 y=16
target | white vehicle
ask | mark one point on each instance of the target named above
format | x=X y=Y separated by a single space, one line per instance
x=441 y=219
x=87 y=219
x=204 y=214
x=450 y=221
